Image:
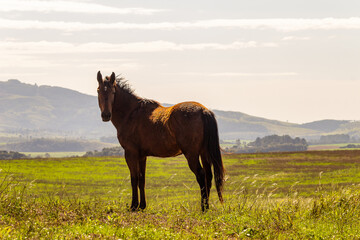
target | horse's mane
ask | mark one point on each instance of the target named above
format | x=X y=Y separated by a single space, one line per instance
x=124 y=85
x=145 y=101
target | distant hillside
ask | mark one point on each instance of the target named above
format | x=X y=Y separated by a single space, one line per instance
x=325 y=125
x=233 y=125
x=26 y=107
x=55 y=145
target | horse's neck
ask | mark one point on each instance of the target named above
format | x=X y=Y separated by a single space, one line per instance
x=124 y=104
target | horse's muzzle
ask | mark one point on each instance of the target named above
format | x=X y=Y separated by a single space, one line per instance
x=106 y=116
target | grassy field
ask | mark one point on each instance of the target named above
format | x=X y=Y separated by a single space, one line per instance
x=335 y=146
x=307 y=195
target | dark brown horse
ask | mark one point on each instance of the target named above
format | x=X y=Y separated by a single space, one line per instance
x=145 y=128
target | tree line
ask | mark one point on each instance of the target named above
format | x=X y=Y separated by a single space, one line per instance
x=335 y=138
x=114 y=151
x=5 y=155
x=272 y=143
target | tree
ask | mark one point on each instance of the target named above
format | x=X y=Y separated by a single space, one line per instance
x=275 y=143
x=335 y=138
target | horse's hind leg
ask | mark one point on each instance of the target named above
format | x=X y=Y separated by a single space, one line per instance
x=208 y=178
x=195 y=166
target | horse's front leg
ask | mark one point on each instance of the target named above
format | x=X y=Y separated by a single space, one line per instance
x=133 y=165
x=135 y=198
x=142 y=165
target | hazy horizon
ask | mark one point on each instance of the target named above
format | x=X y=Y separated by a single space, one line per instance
x=296 y=62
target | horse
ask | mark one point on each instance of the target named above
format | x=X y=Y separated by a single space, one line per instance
x=146 y=128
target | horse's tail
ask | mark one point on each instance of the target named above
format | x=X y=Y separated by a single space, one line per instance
x=212 y=150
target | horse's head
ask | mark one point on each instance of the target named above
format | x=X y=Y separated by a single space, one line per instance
x=106 y=95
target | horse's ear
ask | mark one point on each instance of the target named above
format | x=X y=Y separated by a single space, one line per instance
x=99 y=77
x=112 y=78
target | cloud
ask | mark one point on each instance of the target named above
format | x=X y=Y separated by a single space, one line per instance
x=285 y=24
x=294 y=38
x=46 y=47
x=237 y=74
x=28 y=64
x=278 y=24
x=70 y=6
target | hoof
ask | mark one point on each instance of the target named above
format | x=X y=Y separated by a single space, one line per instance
x=134 y=207
x=142 y=206
x=204 y=207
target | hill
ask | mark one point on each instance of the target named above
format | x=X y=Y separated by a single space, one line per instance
x=59 y=111
x=52 y=109
x=325 y=125
x=233 y=125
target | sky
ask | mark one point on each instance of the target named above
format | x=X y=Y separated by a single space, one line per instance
x=288 y=60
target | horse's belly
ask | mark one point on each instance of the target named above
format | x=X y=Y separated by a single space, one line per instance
x=163 y=150
x=166 y=154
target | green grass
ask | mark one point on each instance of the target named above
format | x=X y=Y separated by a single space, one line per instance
x=307 y=195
